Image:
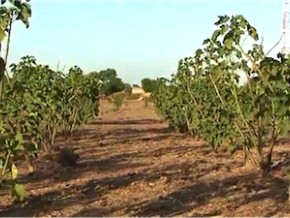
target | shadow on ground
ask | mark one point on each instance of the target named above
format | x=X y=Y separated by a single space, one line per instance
x=239 y=190
x=189 y=199
x=236 y=190
x=126 y=122
x=96 y=162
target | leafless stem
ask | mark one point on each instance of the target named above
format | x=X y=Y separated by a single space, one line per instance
x=274 y=46
x=8 y=42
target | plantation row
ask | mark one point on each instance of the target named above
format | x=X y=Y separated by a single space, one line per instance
x=36 y=104
x=205 y=99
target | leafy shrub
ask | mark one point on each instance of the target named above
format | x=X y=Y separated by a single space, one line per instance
x=204 y=98
x=36 y=105
x=117 y=101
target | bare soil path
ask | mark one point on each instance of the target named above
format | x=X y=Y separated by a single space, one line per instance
x=132 y=164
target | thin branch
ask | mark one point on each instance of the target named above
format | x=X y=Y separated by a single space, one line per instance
x=246 y=55
x=8 y=42
x=7 y=48
x=245 y=40
x=7 y=75
x=57 y=66
x=262 y=40
x=275 y=45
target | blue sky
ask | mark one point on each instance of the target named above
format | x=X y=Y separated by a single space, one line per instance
x=138 y=38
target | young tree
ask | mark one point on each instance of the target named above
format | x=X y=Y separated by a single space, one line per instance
x=204 y=98
x=110 y=83
x=17 y=10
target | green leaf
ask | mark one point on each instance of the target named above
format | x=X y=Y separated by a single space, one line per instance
x=206 y=41
x=2 y=129
x=18 y=192
x=16 y=3
x=229 y=43
x=224 y=29
x=222 y=19
x=14 y=171
x=215 y=35
x=243 y=23
x=198 y=52
x=253 y=32
x=25 y=13
x=19 y=137
x=19 y=140
x=2 y=34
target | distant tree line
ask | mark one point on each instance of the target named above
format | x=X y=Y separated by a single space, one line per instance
x=110 y=83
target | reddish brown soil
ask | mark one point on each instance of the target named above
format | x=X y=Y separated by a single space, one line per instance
x=132 y=164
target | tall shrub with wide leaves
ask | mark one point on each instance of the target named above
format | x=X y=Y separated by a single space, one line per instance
x=251 y=116
x=38 y=103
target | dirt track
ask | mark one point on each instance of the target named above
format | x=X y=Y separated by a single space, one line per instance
x=131 y=164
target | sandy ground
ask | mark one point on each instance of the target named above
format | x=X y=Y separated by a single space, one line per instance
x=132 y=164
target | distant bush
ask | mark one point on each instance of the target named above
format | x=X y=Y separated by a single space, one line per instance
x=117 y=101
x=110 y=82
x=149 y=85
